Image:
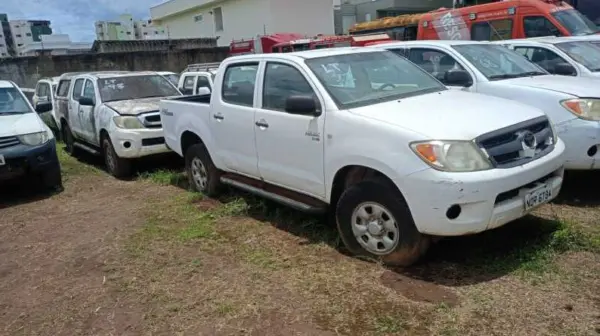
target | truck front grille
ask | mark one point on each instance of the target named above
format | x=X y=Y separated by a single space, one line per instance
x=9 y=141
x=518 y=144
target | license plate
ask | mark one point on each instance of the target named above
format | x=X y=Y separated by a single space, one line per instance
x=537 y=197
x=2 y=161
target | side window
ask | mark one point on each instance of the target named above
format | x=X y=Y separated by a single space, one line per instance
x=88 y=90
x=203 y=82
x=77 y=88
x=63 y=88
x=281 y=82
x=39 y=90
x=543 y=57
x=239 y=82
x=535 y=26
x=494 y=30
x=433 y=61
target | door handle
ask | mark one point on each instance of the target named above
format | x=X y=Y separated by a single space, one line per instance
x=262 y=123
x=218 y=116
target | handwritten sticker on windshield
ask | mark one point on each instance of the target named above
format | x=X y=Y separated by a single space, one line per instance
x=112 y=84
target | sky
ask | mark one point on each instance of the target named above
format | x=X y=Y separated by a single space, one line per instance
x=75 y=17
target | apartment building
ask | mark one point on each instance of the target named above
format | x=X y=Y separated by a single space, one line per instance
x=121 y=29
x=27 y=32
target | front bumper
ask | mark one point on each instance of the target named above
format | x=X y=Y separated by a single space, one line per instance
x=582 y=142
x=139 y=142
x=22 y=160
x=487 y=199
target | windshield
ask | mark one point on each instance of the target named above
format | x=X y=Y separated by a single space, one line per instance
x=135 y=87
x=498 y=62
x=575 y=22
x=12 y=101
x=173 y=78
x=585 y=53
x=367 y=78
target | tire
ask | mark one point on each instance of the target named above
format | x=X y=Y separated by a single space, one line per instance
x=52 y=179
x=69 y=140
x=405 y=243
x=202 y=174
x=116 y=166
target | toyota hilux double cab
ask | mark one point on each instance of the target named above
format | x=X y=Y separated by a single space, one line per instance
x=195 y=77
x=27 y=145
x=393 y=154
x=572 y=103
x=115 y=114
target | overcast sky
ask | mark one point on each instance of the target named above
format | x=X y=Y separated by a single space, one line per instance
x=75 y=17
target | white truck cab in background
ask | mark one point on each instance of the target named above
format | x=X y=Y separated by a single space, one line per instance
x=572 y=103
x=371 y=137
x=115 y=114
x=568 y=56
x=45 y=90
x=197 y=76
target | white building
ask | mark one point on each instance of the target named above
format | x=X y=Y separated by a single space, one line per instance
x=27 y=32
x=3 y=46
x=121 y=29
x=146 y=30
x=236 y=19
x=57 y=44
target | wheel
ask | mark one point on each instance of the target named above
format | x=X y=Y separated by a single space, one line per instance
x=203 y=176
x=52 y=179
x=118 y=167
x=69 y=140
x=374 y=221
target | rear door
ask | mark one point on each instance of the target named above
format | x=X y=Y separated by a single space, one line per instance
x=73 y=118
x=87 y=118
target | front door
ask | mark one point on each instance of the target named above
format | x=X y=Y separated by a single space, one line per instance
x=290 y=146
x=233 y=122
x=86 y=115
x=74 y=119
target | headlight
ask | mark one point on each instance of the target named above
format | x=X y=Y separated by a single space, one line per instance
x=588 y=109
x=34 y=139
x=452 y=156
x=128 y=122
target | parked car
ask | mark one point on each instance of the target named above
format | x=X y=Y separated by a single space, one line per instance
x=390 y=150
x=114 y=114
x=560 y=55
x=171 y=76
x=27 y=145
x=45 y=91
x=196 y=76
x=572 y=103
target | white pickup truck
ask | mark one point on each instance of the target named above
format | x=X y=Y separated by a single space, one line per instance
x=572 y=103
x=393 y=153
x=115 y=114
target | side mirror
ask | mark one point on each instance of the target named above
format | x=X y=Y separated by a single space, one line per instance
x=564 y=69
x=457 y=78
x=304 y=105
x=85 y=101
x=203 y=91
x=43 y=107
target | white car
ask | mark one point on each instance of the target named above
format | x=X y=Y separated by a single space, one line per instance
x=115 y=114
x=567 y=56
x=396 y=155
x=197 y=76
x=572 y=103
x=27 y=145
x=45 y=91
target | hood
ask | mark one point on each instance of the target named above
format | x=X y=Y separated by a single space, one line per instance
x=450 y=114
x=18 y=124
x=576 y=86
x=135 y=106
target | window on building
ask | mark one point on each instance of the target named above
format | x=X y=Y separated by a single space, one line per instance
x=218 y=13
x=20 y=45
x=3 y=54
x=128 y=33
x=198 y=18
x=145 y=33
x=28 y=34
x=535 y=26
x=492 y=30
x=18 y=35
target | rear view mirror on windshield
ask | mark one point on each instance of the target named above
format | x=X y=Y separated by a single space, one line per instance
x=457 y=77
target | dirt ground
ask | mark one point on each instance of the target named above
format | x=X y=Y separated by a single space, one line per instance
x=147 y=257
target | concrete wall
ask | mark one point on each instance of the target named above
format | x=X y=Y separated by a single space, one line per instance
x=26 y=71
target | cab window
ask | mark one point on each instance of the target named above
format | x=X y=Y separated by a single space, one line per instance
x=238 y=84
x=536 y=26
x=494 y=30
x=88 y=90
x=63 y=88
x=543 y=57
x=77 y=88
x=281 y=82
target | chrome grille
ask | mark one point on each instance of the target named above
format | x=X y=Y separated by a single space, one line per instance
x=151 y=119
x=9 y=141
x=518 y=144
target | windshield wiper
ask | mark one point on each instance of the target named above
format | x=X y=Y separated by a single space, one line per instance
x=522 y=74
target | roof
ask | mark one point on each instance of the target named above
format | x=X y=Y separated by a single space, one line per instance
x=308 y=54
x=110 y=74
x=428 y=42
